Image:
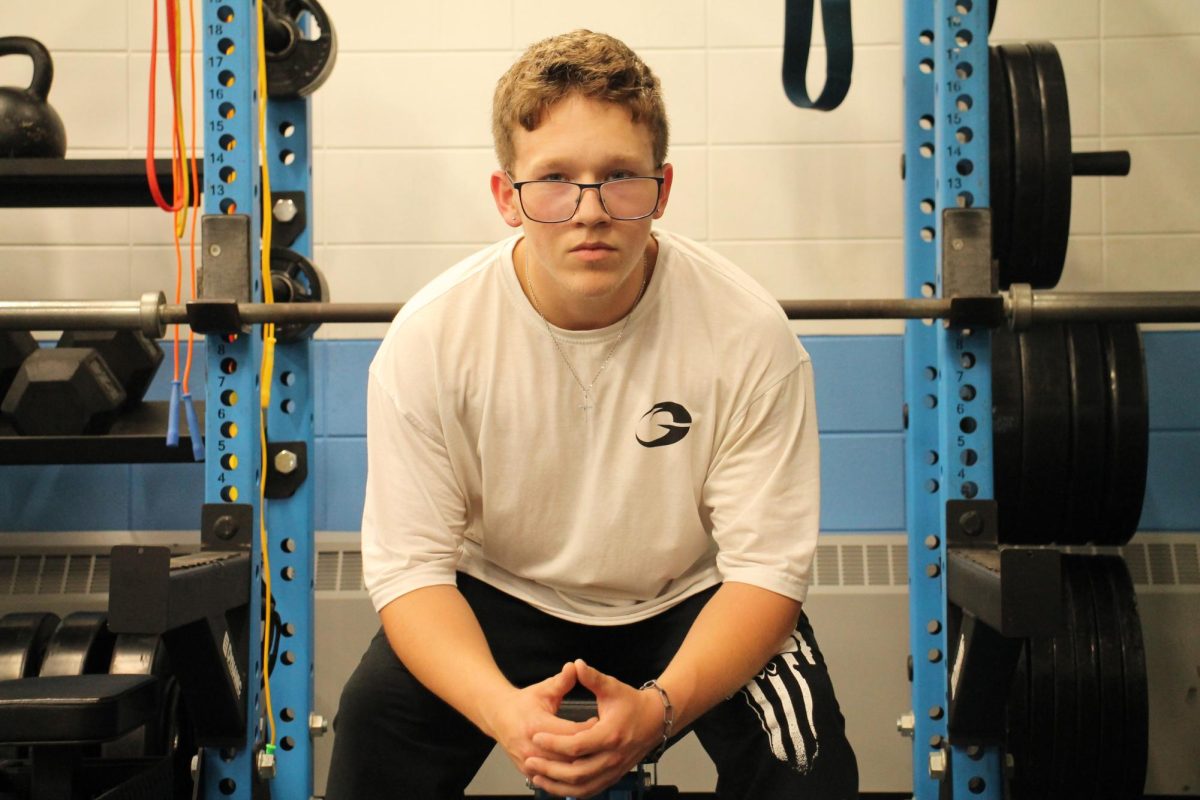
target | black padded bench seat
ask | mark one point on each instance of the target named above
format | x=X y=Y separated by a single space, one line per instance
x=74 y=709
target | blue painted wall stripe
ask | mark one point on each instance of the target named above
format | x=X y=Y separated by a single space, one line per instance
x=859 y=400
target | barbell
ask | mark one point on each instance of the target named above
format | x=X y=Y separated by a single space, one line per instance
x=1019 y=307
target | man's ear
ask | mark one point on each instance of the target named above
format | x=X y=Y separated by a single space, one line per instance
x=665 y=191
x=506 y=199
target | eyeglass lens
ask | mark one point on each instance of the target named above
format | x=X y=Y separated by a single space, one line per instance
x=556 y=201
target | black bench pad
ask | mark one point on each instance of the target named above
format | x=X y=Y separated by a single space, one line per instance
x=74 y=709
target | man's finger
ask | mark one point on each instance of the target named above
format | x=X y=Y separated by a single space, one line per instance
x=563 y=680
x=556 y=725
x=573 y=744
x=591 y=678
x=576 y=775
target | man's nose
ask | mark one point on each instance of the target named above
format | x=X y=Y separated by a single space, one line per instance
x=591 y=210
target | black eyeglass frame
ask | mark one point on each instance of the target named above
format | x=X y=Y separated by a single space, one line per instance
x=599 y=193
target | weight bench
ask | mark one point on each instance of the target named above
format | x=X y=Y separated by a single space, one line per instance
x=63 y=720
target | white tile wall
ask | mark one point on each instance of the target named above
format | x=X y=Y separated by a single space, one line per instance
x=742 y=113
x=88 y=93
x=810 y=203
x=663 y=23
x=1029 y=20
x=1140 y=101
x=1151 y=17
x=71 y=24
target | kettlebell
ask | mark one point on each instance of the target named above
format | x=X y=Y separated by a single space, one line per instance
x=29 y=127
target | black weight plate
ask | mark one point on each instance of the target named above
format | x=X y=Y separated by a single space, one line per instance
x=1028 y=158
x=1036 y=778
x=1056 y=164
x=141 y=654
x=81 y=645
x=1045 y=434
x=23 y=638
x=1110 y=766
x=295 y=279
x=1133 y=656
x=1006 y=429
x=1066 y=693
x=1079 y=782
x=1128 y=432
x=1017 y=714
x=302 y=67
x=1089 y=433
x=1000 y=159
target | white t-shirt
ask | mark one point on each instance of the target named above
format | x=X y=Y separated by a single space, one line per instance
x=698 y=462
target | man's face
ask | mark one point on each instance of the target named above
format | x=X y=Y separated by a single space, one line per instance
x=589 y=258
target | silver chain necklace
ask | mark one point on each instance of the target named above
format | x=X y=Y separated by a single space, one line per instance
x=587 y=403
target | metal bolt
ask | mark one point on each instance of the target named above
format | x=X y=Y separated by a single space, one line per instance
x=937 y=764
x=285 y=209
x=266 y=765
x=195 y=767
x=907 y=724
x=1010 y=765
x=286 y=462
x=957 y=244
x=317 y=725
x=225 y=527
x=214 y=250
x=971 y=523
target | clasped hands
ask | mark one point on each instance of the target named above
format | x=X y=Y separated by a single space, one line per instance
x=576 y=759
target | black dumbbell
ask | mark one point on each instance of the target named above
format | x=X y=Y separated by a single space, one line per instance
x=15 y=347
x=63 y=391
x=132 y=357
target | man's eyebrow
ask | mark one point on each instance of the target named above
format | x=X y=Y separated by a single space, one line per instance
x=615 y=161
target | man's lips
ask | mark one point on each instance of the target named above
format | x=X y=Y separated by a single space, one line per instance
x=591 y=246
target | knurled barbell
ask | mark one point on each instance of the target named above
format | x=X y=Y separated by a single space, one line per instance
x=1019 y=307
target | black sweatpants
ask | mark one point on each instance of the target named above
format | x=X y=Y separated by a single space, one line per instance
x=781 y=736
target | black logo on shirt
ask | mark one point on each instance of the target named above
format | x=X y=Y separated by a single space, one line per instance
x=678 y=428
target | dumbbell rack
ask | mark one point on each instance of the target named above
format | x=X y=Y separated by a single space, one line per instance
x=948 y=448
x=232 y=415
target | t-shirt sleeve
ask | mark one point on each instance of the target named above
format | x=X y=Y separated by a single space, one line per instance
x=763 y=488
x=414 y=513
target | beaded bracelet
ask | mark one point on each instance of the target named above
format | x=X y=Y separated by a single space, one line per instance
x=668 y=716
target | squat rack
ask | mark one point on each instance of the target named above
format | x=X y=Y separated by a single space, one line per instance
x=935 y=368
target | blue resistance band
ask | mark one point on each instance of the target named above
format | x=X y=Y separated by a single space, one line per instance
x=839 y=52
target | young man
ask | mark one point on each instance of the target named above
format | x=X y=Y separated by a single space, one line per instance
x=592 y=467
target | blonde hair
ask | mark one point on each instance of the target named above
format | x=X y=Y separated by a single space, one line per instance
x=594 y=65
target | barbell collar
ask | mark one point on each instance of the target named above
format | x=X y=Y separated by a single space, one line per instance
x=152 y=324
x=1019 y=306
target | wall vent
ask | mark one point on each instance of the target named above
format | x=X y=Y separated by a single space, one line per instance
x=54 y=574
x=1161 y=561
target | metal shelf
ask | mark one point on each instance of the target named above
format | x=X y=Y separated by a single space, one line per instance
x=137 y=437
x=82 y=182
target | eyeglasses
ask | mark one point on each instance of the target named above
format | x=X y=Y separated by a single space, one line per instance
x=557 y=201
